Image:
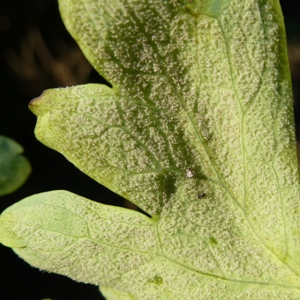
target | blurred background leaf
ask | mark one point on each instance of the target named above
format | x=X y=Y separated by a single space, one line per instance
x=14 y=167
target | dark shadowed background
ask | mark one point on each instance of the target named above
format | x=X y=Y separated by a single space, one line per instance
x=36 y=53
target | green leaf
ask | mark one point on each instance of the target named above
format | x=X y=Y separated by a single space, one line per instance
x=197 y=130
x=14 y=167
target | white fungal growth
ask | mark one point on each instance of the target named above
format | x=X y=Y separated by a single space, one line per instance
x=189 y=173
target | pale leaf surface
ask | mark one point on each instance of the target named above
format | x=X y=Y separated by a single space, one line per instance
x=197 y=130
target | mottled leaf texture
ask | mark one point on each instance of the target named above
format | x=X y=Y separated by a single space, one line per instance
x=197 y=130
x=14 y=167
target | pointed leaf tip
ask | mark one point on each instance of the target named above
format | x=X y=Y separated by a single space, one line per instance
x=62 y=232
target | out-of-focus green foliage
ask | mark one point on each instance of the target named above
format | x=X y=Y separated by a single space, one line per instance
x=14 y=167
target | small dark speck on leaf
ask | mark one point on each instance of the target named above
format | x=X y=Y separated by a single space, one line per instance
x=202 y=195
x=213 y=241
x=157 y=279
